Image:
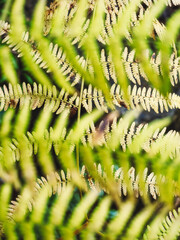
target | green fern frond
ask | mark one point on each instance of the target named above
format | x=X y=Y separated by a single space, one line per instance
x=39 y=96
x=88 y=172
x=54 y=184
x=164 y=228
x=133 y=71
x=128 y=133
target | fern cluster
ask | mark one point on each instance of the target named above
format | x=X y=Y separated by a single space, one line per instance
x=77 y=167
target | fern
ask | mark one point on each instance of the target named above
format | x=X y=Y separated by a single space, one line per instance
x=77 y=166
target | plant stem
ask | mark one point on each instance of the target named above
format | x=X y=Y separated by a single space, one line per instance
x=78 y=121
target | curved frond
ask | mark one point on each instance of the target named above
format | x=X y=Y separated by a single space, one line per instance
x=56 y=183
x=92 y=170
x=157 y=141
x=167 y=228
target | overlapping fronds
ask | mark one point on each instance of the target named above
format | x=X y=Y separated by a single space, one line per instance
x=133 y=68
x=155 y=143
x=71 y=68
x=56 y=183
x=84 y=227
x=150 y=184
x=60 y=186
x=105 y=176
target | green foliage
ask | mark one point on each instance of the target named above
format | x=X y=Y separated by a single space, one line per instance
x=76 y=169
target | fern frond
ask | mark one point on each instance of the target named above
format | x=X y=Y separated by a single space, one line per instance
x=119 y=178
x=56 y=52
x=62 y=188
x=151 y=186
x=39 y=96
x=4 y=28
x=167 y=228
x=115 y=10
x=168 y=2
x=133 y=69
x=49 y=15
x=146 y=98
x=55 y=183
x=157 y=142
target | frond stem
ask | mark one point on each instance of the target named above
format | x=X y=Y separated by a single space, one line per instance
x=78 y=120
